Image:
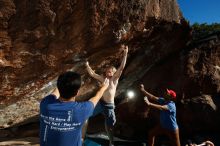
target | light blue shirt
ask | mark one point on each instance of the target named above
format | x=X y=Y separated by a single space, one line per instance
x=168 y=117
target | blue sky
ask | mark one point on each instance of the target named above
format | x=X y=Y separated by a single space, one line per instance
x=201 y=11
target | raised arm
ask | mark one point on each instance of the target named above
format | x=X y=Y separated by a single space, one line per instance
x=92 y=73
x=122 y=66
x=209 y=143
x=99 y=94
x=56 y=92
x=151 y=96
x=156 y=106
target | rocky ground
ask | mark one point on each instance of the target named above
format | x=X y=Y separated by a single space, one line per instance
x=28 y=141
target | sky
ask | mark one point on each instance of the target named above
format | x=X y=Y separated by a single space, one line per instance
x=201 y=11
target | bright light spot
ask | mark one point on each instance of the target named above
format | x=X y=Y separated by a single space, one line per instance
x=130 y=94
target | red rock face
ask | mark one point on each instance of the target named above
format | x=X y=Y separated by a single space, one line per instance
x=39 y=39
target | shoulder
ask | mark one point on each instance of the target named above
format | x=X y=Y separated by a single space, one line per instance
x=85 y=104
x=171 y=106
x=115 y=79
x=49 y=98
x=171 y=103
x=161 y=100
x=85 y=108
x=47 y=101
x=100 y=78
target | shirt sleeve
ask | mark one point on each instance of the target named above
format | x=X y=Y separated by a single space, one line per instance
x=87 y=108
x=171 y=107
x=161 y=100
x=52 y=97
x=48 y=99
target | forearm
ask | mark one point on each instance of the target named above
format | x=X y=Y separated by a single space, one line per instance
x=93 y=74
x=90 y=71
x=120 y=69
x=151 y=96
x=123 y=63
x=156 y=106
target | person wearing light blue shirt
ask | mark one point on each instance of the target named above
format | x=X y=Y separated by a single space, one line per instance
x=168 y=123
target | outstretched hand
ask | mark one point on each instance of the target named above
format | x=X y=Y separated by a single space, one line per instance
x=87 y=63
x=147 y=101
x=142 y=87
x=105 y=84
x=209 y=143
x=125 y=49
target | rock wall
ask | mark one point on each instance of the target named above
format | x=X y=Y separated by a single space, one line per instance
x=39 y=39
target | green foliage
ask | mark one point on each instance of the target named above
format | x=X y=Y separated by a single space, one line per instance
x=204 y=29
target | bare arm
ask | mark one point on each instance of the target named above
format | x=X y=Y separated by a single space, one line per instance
x=151 y=96
x=156 y=106
x=99 y=94
x=56 y=92
x=122 y=66
x=209 y=143
x=92 y=73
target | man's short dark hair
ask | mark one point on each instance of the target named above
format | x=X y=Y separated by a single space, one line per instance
x=68 y=84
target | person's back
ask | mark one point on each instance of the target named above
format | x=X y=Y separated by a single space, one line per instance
x=61 y=120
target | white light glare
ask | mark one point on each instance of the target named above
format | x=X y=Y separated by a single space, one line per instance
x=130 y=94
x=50 y=83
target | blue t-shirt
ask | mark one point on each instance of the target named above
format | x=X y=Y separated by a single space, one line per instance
x=61 y=122
x=168 y=117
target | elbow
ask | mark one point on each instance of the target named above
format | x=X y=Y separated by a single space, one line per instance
x=164 y=109
x=91 y=74
x=161 y=109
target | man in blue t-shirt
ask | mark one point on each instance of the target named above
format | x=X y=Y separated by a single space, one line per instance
x=61 y=117
x=168 y=124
